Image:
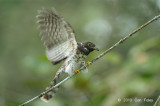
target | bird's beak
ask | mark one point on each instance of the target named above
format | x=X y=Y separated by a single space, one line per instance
x=96 y=49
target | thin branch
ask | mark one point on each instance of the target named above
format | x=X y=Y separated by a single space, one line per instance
x=92 y=61
x=157 y=101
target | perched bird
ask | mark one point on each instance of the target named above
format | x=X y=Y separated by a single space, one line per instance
x=59 y=39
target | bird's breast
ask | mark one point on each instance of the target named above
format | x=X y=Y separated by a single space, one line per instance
x=79 y=60
x=75 y=63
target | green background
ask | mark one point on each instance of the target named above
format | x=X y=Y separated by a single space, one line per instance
x=130 y=72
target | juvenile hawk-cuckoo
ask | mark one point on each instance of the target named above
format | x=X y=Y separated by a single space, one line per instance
x=59 y=39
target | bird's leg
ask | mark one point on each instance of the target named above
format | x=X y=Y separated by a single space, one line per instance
x=88 y=63
x=76 y=71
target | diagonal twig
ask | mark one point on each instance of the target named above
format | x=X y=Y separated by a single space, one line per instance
x=157 y=101
x=95 y=59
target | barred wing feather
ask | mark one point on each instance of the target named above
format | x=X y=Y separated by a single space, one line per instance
x=57 y=35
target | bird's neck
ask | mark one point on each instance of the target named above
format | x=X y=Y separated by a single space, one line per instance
x=82 y=49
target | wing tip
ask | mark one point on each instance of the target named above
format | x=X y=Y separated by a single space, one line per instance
x=54 y=63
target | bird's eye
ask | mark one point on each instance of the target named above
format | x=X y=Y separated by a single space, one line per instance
x=89 y=44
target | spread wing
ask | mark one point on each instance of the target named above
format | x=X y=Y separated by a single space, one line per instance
x=57 y=35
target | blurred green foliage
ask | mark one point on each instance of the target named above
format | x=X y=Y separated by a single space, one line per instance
x=129 y=72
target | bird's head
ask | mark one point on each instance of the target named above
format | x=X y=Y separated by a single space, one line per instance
x=87 y=47
x=90 y=46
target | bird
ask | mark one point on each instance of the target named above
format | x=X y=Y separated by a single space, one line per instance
x=58 y=37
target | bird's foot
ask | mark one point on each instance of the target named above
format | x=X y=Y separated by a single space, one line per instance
x=76 y=71
x=88 y=63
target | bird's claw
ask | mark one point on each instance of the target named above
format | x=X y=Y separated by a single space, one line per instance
x=88 y=63
x=76 y=71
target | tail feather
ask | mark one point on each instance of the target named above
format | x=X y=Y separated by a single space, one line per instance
x=49 y=95
x=60 y=75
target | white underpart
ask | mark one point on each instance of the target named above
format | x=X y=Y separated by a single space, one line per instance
x=85 y=70
x=70 y=68
x=73 y=65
